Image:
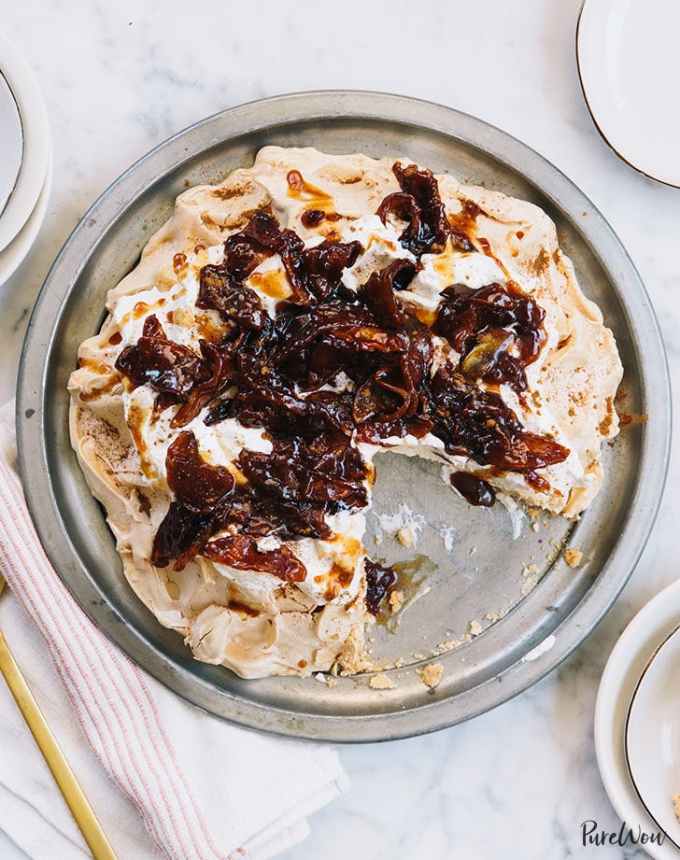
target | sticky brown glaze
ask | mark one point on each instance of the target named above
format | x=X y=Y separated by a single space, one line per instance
x=380 y=580
x=474 y=490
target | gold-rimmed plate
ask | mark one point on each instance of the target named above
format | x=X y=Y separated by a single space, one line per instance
x=653 y=736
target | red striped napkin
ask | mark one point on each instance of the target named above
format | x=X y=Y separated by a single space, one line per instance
x=204 y=789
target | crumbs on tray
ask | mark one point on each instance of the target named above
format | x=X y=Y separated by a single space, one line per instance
x=381 y=682
x=573 y=556
x=431 y=675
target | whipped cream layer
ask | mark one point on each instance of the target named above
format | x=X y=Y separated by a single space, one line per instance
x=251 y=621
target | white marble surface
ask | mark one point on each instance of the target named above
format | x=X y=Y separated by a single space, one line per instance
x=118 y=78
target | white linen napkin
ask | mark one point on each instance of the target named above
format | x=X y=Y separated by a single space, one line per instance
x=205 y=789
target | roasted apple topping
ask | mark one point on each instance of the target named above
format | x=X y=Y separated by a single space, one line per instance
x=332 y=368
x=419 y=203
x=238 y=305
x=313 y=273
x=378 y=293
x=497 y=330
x=181 y=535
x=176 y=372
x=478 y=424
x=325 y=471
x=197 y=484
x=166 y=366
x=218 y=372
x=241 y=552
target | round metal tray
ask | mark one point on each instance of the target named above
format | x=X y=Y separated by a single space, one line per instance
x=482 y=572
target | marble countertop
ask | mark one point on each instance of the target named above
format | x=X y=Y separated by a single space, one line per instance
x=119 y=78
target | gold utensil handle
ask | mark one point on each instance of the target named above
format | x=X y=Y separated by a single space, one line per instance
x=61 y=771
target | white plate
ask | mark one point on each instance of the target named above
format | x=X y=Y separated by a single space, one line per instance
x=653 y=736
x=629 y=64
x=11 y=142
x=626 y=665
x=12 y=256
x=36 y=143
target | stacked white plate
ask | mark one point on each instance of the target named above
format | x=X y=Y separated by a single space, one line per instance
x=25 y=162
x=637 y=726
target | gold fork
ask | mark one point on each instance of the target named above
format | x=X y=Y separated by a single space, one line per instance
x=54 y=757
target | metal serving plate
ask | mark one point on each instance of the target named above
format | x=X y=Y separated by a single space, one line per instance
x=483 y=571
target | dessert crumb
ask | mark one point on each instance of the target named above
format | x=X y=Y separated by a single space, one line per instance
x=528 y=584
x=573 y=556
x=676 y=805
x=406 y=536
x=353 y=658
x=381 y=682
x=396 y=600
x=474 y=628
x=446 y=645
x=431 y=674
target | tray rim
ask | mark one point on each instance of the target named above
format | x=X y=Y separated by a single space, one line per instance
x=612 y=256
